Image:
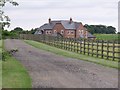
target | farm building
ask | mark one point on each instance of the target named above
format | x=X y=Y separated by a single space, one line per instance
x=64 y=28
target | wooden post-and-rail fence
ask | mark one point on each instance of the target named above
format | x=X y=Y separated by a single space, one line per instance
x=108 y=50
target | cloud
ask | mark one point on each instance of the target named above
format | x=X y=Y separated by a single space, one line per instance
x=33 y=13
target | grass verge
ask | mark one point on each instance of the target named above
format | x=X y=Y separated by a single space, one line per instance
x=14 y=75
x=0 y=64
x=58 y=51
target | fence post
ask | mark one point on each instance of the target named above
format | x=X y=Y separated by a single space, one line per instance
x=77 y=46
x=71 y=44
x=107 y=50
x=97 y=47
x=92 y=48
x=74 y=45
x=81 y=46
x=113 y=50
x=102 y=49
x=66 y=43
x=84 y=46
x=61 y=42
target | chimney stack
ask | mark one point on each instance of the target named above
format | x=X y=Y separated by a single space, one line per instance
x=49 y=20
x=70 y=20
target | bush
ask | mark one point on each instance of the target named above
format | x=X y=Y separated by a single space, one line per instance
x=5 y=54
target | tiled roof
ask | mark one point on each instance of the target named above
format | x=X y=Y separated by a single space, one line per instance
x=66 y=24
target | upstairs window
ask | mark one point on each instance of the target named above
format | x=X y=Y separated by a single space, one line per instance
x=80 y=32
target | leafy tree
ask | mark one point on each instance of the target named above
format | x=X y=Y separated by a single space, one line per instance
x=101 y=29
x=18 y=29
x=4 y=19
x=8 y=34
x=32 y=31
x=111 y=29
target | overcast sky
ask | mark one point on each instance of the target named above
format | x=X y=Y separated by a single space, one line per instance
x=34 y=13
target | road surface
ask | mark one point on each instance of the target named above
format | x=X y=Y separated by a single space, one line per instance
x=49 y=70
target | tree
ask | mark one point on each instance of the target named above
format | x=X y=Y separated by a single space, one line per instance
x=111 y=30
x=32 y=31
x=17 y=30
x=101 y=29
x=8 y=34
x=4 y=19
x=118 y=33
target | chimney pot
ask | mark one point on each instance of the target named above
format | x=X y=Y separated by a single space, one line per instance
x=49 y=20
x=70 y=20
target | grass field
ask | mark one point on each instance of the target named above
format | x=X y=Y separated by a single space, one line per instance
x=14 y=75
x=72 y=54
x=108 y=36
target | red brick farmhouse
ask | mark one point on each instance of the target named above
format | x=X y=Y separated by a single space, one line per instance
x=65 y=28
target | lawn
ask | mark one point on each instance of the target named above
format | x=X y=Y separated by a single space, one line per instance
x=14 y=75
x=0 y=46
x=72 y=54
x=108 y=36
x=0 y=64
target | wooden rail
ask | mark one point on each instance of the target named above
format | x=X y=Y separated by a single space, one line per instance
x=108 y=50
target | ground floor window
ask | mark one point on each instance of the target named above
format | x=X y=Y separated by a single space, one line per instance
x=62 y=31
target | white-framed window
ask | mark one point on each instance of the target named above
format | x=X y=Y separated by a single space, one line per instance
x=47 y=32
x=72 y=32
x=68 y=32
x=62 y=31
x=82 y=31
x=50 y=32
x=55 y=31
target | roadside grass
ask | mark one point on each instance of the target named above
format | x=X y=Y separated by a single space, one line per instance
x=14 y=75
x=0 y=64
x=0 y=47
x=108 y=36
x=113 y=64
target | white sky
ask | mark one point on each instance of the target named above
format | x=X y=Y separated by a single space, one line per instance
x=34 y=13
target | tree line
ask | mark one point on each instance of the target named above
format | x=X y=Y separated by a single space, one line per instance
x=94 y=29
x=16 y=32
x=100 y=29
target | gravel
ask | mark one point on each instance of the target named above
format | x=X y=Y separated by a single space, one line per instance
x=49 y=70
